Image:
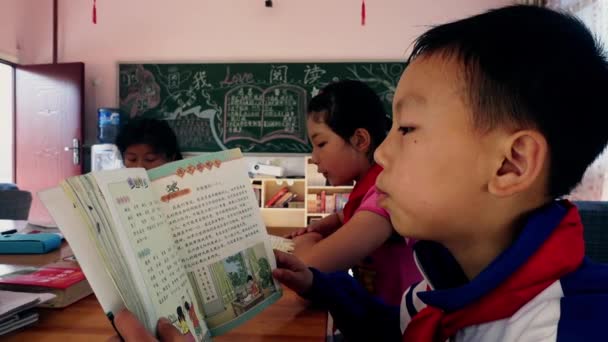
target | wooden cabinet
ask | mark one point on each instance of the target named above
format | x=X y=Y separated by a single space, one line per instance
x=301 y=209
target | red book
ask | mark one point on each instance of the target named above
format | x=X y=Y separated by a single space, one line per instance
x=323 y=201
x=276 y=197
x=53 y=277
x=67 y=283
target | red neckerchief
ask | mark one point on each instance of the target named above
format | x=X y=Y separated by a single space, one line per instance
x=559 y=255
x=359 y=191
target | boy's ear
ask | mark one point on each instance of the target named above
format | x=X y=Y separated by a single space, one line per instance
x=524 y=155
x=361 y=140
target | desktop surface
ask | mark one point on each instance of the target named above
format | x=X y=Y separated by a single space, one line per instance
x=289 y=319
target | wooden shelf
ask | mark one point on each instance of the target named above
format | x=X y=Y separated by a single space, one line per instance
x=285 y=209
x=278 y=180
x=329 y=190
x=318 y=214
x=292 y=217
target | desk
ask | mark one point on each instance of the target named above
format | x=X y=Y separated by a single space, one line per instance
x=289 y=319
x=240 y=307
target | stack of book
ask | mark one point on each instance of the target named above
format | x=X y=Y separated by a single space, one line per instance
x=16 y=309
x=281 y=199
x=183 y=241
x=324 y=203
x=64 y=280
x=257 y=190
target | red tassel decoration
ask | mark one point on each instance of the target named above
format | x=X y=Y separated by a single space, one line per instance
x=94 y=11
x=363 y=13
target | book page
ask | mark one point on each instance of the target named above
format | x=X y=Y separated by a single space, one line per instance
x=216 y=224
x=282 y=244
x=65 y=214
x=98 y=223
x=145 y=241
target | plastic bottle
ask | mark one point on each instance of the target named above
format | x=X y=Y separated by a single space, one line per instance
x=108 y=123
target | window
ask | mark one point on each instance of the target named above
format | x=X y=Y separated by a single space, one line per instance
x=594 y=13
x=6 y=123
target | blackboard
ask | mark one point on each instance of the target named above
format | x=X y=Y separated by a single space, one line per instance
x=258 y=107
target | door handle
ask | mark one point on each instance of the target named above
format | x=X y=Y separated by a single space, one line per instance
x=75 y=151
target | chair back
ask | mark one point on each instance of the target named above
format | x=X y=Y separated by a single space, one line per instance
x=594 y=215
x=15 y=204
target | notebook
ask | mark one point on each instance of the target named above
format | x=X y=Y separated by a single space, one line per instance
x=15 y=309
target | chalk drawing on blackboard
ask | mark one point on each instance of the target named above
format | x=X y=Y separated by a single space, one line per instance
x=193 y=99
x=173 y=80
x=380 y=76
x=236 y=78
x=143 y=91
x=182 y=109
x=313 y=74
x=252 y=113
x=191 y=130
x=278 y=74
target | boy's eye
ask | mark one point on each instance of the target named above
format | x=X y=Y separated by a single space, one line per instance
x=405 y=130
x=321 y=144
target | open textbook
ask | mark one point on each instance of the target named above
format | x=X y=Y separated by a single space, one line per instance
x=184 y=241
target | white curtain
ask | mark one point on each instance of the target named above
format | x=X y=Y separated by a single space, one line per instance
x=532 y=2
x=594 y=13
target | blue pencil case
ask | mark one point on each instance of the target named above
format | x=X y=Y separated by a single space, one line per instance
x=28 y=243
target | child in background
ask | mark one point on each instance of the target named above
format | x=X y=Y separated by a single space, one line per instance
x=194 y=318
x=183 y=326
x=495 y=118
x=147 y=143
x=252 y=286
x=346 y=122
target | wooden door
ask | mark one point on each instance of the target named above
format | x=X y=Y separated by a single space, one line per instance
x=49 y=107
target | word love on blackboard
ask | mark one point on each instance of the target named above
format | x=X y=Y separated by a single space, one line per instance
x=257 y=107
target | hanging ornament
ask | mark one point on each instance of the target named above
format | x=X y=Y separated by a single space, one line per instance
x=363 y=13
x=94 y=11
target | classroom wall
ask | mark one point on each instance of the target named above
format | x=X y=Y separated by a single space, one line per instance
x=8 y=30
x=227 y=30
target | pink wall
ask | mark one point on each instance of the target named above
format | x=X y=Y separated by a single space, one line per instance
x=223 y=30
x=35 y=31
x=8 y=29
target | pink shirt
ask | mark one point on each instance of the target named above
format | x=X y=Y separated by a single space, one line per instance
x=390 y=269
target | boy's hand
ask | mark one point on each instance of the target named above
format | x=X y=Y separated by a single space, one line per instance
x=132 y=330
x=292 y=272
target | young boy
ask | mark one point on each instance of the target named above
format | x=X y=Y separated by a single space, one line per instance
x=495 y=118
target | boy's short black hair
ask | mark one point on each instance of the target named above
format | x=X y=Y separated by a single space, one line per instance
x=347 y=105
x=531 y=67
x=155 y=133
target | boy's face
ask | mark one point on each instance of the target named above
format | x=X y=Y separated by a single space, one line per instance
x=436 y=165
